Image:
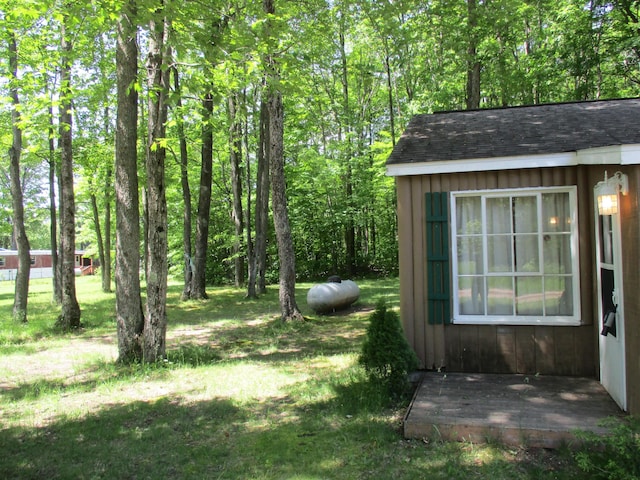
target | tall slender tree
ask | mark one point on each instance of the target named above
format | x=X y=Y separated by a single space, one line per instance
x=288 y=306
x=257 y=267
x=235 y=157
x=473 y=60
x=70 y=316
x=129 y=314
x=53 y=211
x=186 y=190
x=199 y=287
x=24 y=257
x=158 y=72
x=257 y=282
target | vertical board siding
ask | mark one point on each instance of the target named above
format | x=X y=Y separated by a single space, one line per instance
x=632 y=300
x=405 y=264
x=490 y=348
x=418 y=247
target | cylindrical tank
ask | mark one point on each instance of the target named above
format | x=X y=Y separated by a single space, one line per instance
x=330 y=296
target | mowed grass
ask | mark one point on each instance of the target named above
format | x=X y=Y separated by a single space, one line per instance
x=241 y=396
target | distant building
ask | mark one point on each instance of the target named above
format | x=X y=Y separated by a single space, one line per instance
x=41 y=264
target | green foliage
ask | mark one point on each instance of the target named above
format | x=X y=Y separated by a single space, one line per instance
x=615 y=456
x=386 y=355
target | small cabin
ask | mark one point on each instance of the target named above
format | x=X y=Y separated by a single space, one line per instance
x=519 y=241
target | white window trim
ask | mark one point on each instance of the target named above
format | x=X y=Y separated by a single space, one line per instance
x=574 y=320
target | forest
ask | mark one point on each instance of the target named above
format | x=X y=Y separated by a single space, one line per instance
x=229 y=141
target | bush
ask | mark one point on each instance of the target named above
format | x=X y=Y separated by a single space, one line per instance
x=615 y=456
x=386 y=356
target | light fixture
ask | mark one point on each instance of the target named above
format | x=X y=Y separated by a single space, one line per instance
x=607 y=192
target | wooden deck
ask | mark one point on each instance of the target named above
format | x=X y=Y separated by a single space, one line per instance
x=533 y=411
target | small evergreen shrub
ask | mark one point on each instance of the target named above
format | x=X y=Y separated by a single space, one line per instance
x=615 y=456
x=386 y=356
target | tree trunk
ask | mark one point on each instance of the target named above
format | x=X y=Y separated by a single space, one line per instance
x=70 y=316
x=186 y=191
x=129 y=316
x=235 y=156
x=199 y=290
x=349 y=229
x=289 y=308
x=105 y=266
x=105 y=259
x=473 y=62
x=251 y=259
x=24 y=256
x=262 y=201
x=387 y=67
x=96 y=222
x=155 y=327
x=55 y=267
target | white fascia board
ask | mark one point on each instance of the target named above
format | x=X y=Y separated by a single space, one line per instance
x=483 y=164
x=610 y=155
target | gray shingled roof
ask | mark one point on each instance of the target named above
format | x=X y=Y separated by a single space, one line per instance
x=516 y=131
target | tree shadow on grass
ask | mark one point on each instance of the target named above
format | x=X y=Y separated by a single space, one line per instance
x=161 y=439
x=277 y=342
x=345 y=437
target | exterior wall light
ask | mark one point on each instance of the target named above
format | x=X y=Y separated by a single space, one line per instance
x=608 y=190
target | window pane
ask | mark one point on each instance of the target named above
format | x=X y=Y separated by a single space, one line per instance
x=498 y=215
x=556 y=212
x=468 y=215
x=529 y=296
x=470 y=255
x=525 y=214
x=558 y=295
x=500 y=298
x=557 y=253
x=527 y=257
x=516 y=255
x=471 y=295
x=499 y=254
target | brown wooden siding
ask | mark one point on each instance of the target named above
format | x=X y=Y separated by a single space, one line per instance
x=493 y=348
x=630 y=222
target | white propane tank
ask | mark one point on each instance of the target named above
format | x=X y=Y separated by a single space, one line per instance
x=330 y=296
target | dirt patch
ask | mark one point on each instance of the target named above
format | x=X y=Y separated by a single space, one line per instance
x=60 y=360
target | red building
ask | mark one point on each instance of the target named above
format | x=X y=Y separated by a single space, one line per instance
x=41 y=264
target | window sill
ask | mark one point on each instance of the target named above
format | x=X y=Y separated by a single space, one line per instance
x=520 y=322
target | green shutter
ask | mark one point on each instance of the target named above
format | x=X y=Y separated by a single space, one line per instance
x=438 y=282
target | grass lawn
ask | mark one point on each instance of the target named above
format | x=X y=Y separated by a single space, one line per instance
x=241 y=396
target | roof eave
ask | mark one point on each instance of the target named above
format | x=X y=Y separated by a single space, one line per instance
x=610 y=155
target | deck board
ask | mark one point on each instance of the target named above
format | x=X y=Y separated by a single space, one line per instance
x=534 y=411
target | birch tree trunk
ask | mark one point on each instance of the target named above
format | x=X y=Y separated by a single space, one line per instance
x=24 y=256
x=129 y=316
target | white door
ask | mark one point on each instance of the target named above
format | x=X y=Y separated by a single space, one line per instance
x=610 y=307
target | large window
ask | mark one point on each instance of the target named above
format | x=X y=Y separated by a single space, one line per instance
x=516 y=257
